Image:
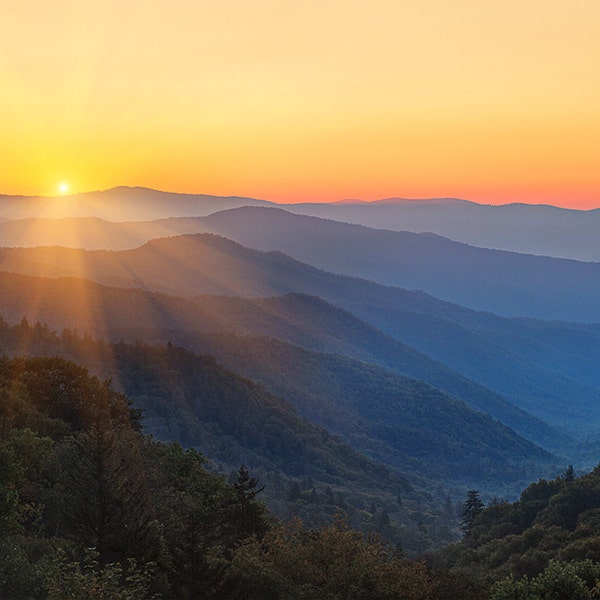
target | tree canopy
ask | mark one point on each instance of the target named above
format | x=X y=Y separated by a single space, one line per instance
x=90 y=507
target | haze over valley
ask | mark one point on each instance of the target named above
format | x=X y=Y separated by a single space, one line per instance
x=175 y=284
x=334 y=334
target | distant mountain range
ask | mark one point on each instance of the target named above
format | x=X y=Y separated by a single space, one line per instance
x=402 y=344
x=531 y=229
x=120 y=204
x=525 y=361
x=403 y=423
x=505 y=283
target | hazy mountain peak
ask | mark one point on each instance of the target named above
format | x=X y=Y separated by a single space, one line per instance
x=121 y=203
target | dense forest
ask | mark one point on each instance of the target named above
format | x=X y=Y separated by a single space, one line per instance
x=93 y=508
x=92 y=505
x=545 y=545
x=307 y=472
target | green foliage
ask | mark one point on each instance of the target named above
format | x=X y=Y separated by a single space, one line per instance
x=472 y=507
x=403 y=423
x=48 y=393
x=313 y=324
x=193 y=400
x=202 y=519
x=553 y=531
x=576 y=580
x=102 y=496
x=101 y=511
x=73 y=580
x=332 y=563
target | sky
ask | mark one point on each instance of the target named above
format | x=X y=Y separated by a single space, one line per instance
x=303 y=100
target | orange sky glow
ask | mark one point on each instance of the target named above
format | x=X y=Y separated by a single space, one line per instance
x=314 y=100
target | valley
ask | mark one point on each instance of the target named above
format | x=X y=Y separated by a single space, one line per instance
x=287 y=344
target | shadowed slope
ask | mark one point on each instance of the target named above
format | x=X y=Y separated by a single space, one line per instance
x=302 y=320
x=403 y=423
x=502 y=282
x=524 y=360
x=505 y=283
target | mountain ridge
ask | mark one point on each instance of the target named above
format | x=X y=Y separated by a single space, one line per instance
x=210 y=264
x=538 y=229
x=506 y=283
x=115 y=313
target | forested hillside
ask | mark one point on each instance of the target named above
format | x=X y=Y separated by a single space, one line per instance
x=354 y=404
x=254 y=345
x=371 y=441
x=390 y=418
x=519 y=360
x=92 y=508
x=309 y=473
x=545 y=543
x=307 y=321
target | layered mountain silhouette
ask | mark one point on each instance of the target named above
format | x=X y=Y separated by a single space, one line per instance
x=352 y=354
x=523 y=360
x=530 y=229
x=505 y=283
x=406 y=424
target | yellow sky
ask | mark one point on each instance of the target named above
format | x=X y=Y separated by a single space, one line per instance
x=493 y=101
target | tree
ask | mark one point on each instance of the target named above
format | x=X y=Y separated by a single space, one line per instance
x=471 y=508
x=203 y=518
x=247 y=515
x=575 y=580
x=103 y=499
x=333 y=563
x=569 y=474
x=89 y=580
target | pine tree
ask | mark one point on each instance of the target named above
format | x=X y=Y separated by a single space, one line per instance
x=569 y=474
x=471 y=508
x=103 y=500
x=248 y=514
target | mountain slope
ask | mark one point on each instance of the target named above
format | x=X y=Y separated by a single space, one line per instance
x=416 y=430
x=120 y=204
x=452 y=335
x=233 y=421
x=505 y=283
x=394 y=419
x=531 y=229
x=520 y=359
x=306 y=321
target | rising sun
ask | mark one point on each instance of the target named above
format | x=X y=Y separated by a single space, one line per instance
x=63 y=187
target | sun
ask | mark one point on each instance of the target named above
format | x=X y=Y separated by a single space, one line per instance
x=63 y=187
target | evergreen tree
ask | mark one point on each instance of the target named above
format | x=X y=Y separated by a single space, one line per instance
x=247 y=515
x=471 y=508
x=103 y=498
x=569 y=474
